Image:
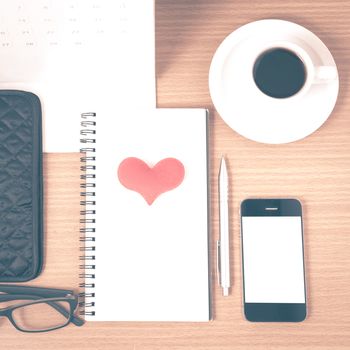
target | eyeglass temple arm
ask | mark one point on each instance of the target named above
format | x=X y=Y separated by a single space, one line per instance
x=75 y=320
x=42 y=292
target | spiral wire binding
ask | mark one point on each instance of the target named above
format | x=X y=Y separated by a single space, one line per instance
x=87 y=213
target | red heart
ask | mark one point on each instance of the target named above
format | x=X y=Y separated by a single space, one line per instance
x=136 y=175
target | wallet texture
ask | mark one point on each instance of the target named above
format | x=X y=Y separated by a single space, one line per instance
x=21 y=186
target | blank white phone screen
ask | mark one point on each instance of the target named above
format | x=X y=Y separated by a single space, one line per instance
x=273 y=259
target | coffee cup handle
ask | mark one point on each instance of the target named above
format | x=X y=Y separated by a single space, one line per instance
x=325 y=74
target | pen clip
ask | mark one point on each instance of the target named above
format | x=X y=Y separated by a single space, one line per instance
x=218 y=267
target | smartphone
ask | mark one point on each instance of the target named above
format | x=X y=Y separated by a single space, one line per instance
x=273 y=265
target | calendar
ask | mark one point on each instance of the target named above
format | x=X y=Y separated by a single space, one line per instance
x=78 y=55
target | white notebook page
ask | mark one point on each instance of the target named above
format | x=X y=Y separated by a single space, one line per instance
x=151 y=260
x=76 y=55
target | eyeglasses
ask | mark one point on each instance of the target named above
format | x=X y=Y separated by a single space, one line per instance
x=38 y=309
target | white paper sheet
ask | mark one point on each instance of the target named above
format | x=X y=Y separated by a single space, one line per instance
x=76 y=55
x=151 y=260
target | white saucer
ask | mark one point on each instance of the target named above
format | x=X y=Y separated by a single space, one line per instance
x=250 y=112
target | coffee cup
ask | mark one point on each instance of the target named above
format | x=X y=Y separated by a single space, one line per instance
x=285 y=70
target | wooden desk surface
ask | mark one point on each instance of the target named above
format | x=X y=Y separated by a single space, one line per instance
x=316 y=170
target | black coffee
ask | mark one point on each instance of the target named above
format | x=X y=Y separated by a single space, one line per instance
x=279 y=73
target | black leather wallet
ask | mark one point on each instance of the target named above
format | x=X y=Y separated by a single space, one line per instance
x=21 y=186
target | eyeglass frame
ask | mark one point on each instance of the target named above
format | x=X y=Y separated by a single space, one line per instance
x=49 y=296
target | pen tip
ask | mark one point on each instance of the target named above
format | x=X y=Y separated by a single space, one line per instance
x=223 y=163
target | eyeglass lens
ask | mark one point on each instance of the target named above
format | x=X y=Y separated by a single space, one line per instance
x=41 y=316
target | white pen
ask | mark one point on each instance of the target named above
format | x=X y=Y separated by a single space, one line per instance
x=223 y=245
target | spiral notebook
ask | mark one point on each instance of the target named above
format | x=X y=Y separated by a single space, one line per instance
x=145 y=209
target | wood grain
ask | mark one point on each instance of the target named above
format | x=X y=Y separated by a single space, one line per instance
x=315 y=170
